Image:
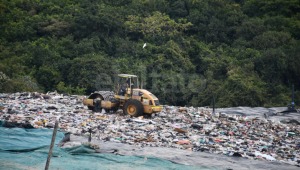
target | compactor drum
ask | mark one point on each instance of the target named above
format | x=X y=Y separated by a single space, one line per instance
x=128 y=97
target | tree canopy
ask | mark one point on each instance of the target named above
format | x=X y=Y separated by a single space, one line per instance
x=242 y=52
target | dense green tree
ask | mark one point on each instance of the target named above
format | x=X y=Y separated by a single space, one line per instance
x=241 y=52
x=157 y=26
x=93 y=72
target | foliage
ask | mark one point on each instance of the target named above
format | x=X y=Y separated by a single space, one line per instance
x=241 y=52
x=62 y=88
x=21 y=83
x=156 y=25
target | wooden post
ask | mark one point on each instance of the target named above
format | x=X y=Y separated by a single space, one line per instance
x=51 y=145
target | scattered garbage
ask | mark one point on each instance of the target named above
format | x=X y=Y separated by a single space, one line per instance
x=190 y=128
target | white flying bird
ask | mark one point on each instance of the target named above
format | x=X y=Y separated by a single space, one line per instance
x=144 y=45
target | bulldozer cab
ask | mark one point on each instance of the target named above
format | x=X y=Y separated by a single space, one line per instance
x=126 y=84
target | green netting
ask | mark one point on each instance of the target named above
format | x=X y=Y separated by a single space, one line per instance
x=28 y=149
x=19 y=139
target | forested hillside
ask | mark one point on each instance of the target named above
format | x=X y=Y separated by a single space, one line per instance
x=243 y=52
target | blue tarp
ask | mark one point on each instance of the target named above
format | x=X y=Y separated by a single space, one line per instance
x=28 y=149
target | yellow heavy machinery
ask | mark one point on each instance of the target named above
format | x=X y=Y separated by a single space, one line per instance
x=127 y=96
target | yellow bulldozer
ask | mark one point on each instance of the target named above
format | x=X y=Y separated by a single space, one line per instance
x=127 y=96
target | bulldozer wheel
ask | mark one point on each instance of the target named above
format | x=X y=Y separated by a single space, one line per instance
x=133 y=107
x=95 y=108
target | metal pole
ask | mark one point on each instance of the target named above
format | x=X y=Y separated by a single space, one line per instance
x=293 y=98
x=51 y=145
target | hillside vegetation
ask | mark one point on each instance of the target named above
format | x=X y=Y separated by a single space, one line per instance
x=242 y=52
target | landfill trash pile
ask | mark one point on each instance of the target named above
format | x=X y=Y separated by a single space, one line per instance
x=188 y=128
